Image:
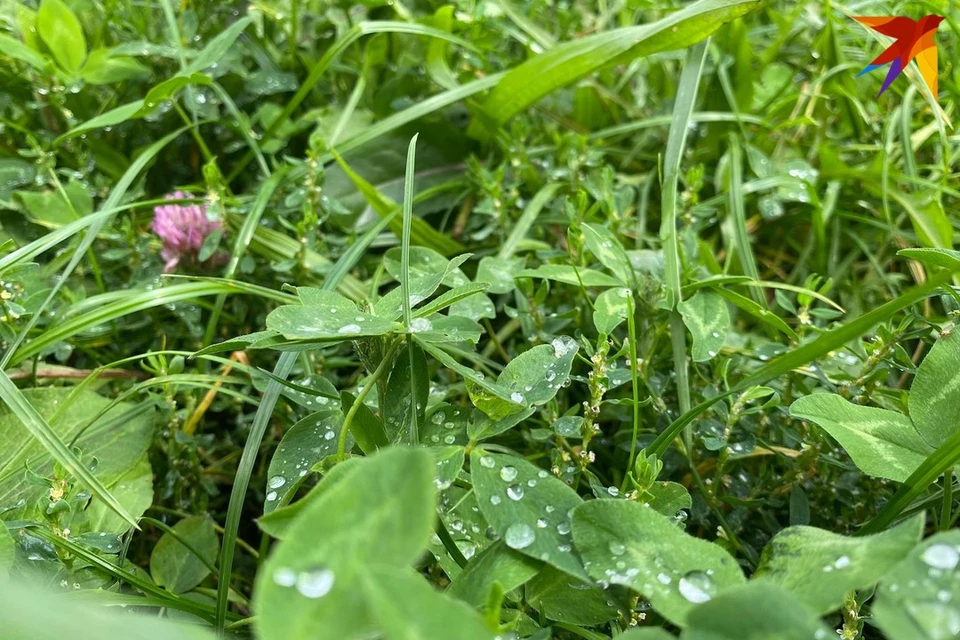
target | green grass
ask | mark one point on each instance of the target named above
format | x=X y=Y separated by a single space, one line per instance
x=516 y=308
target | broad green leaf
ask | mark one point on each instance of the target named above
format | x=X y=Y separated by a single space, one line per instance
x=308 y=590
x=51 y=208
x=499 y=273
x=568 y=62
x=60 y=30
x=669 y=498
x=605 y=245
x=27 y=437
x=217 y=48
x=610 y=309
x=570 y=275
x=277 y=523
x=13 y=48
x=919 y=599
x=882 y=443
x=445 y=424
x=482 y=427
x=166 y=90
x=624 y=542
x=928 y=218
x=466 y=301
x=102 y=67
x=420 y=287
x=439 y=328
x=935 y=394
x=532 y=378
x=177 y=568
x=134 y=490
x=14 y=173
x=707 y=319
x=449 y=462
x=407 y=607
x=758 y=610
x=424 y=262
x=527 y=507
x=307 y=442
x=325 y=315
x=497 y=563
x=33 y=614
x=819 y=567
x=477 y=380
x=947 y=258
x=561 y=597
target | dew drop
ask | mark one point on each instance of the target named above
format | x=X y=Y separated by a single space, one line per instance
x=285 y=577
x=941 y=556
x=315 y=583
x=519 y=536
x=696 y=587
x=515 y=492
x=276 y=482
x=487 y=462
x=617 y=548
x=508 y=474
x=349 y=329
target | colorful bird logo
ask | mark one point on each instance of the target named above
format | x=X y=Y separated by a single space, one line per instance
x=914 y=39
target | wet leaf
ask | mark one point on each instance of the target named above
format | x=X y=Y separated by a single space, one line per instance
x=527 y=507
x=819 y=567
x=624 y=542
x=882 y=443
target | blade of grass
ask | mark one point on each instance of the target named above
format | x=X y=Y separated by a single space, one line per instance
x=117 y=304
x=735 y=203
x=676 y=139
x=405 y=278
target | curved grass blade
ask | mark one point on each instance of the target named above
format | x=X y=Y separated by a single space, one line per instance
x=683 y=108
x=116 y=304
x=568 y=62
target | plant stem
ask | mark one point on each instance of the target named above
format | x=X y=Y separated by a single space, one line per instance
x=371 y=382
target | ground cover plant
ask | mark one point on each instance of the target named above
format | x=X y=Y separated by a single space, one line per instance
x=489 y=319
